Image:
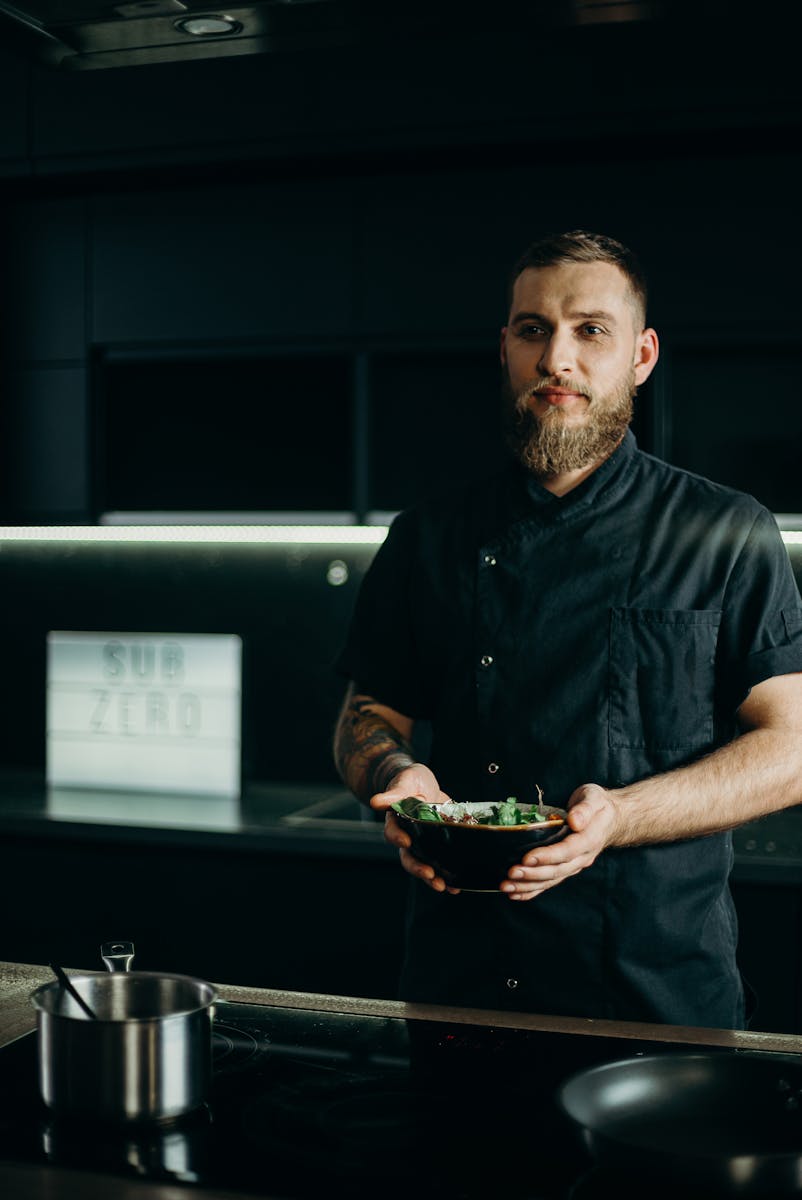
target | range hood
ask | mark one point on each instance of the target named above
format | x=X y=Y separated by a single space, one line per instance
x=80 y=34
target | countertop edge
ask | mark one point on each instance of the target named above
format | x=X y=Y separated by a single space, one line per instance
x=17 y=1015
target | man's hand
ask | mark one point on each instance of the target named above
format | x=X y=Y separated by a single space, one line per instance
x=419 y=781
x=592 y=818
x=415 y=780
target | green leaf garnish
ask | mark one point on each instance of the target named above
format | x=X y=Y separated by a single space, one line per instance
x=507 y=813
x=412 y=806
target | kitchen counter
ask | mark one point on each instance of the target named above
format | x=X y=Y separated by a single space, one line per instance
x=294 y=818
x=283 y=817
x=17 y=1017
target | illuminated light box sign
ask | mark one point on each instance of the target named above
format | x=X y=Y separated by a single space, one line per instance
x=144 y=711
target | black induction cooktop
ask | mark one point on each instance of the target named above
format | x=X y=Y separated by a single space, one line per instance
x=308 y=1104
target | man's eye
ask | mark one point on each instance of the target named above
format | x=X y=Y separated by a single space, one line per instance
x=592 y=330
x=530 y=331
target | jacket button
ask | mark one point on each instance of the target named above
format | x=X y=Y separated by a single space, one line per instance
x=493 y=768
x=512 y=984
x=486 y=660
x=490 y=560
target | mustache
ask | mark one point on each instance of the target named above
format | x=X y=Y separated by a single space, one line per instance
x=522 y=399
x=565 y=385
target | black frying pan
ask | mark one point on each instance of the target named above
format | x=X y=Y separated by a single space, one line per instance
x=727 y=1123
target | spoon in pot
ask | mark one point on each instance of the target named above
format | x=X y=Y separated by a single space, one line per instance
x=66 y=983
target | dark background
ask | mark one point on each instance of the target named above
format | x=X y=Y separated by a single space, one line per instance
x=274 y=283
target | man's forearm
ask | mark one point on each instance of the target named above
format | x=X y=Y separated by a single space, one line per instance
x=368 y=750
x=758 y=773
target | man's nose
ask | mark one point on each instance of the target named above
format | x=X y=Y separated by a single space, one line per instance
x=557 y=357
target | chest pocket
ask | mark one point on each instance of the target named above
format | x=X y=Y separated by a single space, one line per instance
x=661 y=678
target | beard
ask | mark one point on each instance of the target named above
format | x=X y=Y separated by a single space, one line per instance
x=547 y=445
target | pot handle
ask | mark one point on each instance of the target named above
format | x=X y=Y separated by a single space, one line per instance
x=117 y=955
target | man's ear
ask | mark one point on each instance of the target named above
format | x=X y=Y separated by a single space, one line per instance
x=647 y=352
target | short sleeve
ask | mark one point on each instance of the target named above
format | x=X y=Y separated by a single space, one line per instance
x=761 y=632
x=380 y=648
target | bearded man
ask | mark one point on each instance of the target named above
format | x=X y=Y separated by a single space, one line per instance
x=603 y=625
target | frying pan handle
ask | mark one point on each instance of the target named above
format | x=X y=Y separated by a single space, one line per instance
x=117 y=955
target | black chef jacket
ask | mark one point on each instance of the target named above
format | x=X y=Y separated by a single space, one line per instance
x=602 y=636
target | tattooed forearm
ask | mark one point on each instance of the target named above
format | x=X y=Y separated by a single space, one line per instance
x=368 y=750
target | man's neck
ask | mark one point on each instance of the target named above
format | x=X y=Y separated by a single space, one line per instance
x=566 y=481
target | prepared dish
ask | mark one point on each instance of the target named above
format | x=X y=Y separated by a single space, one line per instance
x=509 y=813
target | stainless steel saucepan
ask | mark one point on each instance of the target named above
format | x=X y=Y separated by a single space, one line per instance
x=145 y=1055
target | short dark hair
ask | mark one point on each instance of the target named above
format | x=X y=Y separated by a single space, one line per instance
x=579 y=246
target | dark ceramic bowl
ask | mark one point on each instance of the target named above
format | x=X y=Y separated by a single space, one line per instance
x=476 y=858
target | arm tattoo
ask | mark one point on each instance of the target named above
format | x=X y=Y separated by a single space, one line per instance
x=368 y=751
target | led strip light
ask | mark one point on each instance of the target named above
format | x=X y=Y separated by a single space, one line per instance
x=339 y=535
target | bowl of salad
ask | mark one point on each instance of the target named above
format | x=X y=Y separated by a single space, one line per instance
x=472 y=846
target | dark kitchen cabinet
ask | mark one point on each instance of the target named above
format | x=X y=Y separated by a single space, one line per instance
x=272 y=260
x=176 y=113
x=14 y=114
x=735 y=416
x=45 y=254
x=399 y=273
x=770 y=952
x=225 y=433
x=309 y=923
x=44 y=449
x=433 y=422
x=434 y=250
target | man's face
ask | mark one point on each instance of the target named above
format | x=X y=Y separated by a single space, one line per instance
x=573 y=353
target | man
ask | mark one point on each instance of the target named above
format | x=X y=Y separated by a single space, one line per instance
x=597 y=622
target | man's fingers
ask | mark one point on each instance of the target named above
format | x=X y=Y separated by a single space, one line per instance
x=420 y=870
x=394 y=834
x=534 y=875
x=384 y=799
x=431 y=795
x=578 y=818
x=547 y=867
x=571 y=847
